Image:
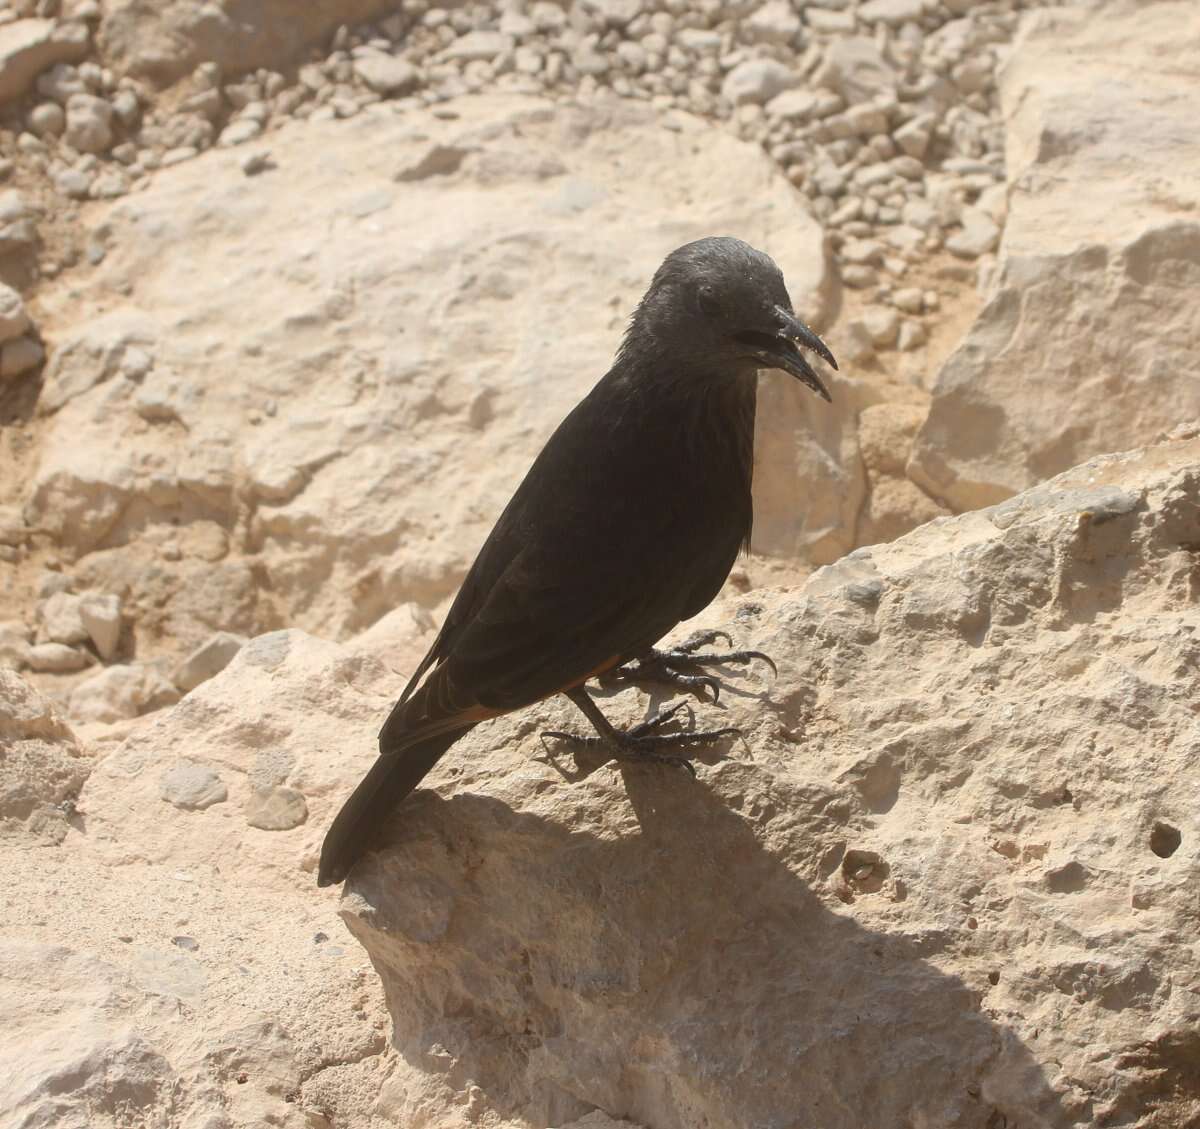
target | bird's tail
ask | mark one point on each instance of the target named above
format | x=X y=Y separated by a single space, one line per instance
x=391 y=778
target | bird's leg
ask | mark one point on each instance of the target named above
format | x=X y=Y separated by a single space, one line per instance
x=681 y=666
x=643 y=742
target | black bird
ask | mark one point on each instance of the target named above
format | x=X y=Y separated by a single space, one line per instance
x=627 y=523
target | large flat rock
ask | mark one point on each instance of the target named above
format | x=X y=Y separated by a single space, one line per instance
x=1089 y=340
x=948 y=879
x=350 y=376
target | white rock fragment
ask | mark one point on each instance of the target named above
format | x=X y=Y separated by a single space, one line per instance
x=912 y=335
x=89 y=124
x=30 y=46
x=239 y=132
x=978 y=236
x=126 y=106
x=60 y=619
x=121 y=691
x=830 y=22
x=478 y=45
x=47 y=120
x=207 y=660
x=794 y=105
x=386 y=74
x=192 y=786
x=859 y=277
x=756 y=81
x=775 y=22
x=891 y=12
x=881 y=323
x=101 y=617
x=73 y=183
x=866 y=251
x=276 y=808
x=57 y=658
x=857 y=345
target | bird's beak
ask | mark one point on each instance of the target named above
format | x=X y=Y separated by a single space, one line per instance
x=784 y=352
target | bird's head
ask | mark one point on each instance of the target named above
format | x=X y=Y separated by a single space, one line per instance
x=723 y=305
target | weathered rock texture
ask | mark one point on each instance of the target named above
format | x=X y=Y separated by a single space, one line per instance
x=336 y=387
x=163 y=41
x=1090 y=339
x=948 y=879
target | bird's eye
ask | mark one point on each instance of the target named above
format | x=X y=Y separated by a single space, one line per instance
x=707 y=298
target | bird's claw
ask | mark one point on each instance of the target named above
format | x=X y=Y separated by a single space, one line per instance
x=736 y=658
x=699 y=639
x=644 y=744
x=680 y=657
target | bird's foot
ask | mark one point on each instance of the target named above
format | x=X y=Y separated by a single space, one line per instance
x=645 y=743
x=680 y=666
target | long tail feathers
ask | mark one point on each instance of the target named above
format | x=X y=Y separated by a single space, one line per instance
x=389 y=780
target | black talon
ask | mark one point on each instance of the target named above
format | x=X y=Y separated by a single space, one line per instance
x=642 y=742
x=679 y=666
x=699 y=639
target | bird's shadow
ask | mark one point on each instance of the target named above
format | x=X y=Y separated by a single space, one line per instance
x=663 y=959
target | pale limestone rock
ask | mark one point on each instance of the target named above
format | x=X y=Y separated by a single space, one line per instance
x=89 y=124
x=192 y=786
x=47 y=120
x=881 y=323
x=163 y=43
x=386 y=74
x=101 y=618
x=478 y=45
x=239 y=132
x=831 y=22
x=321 y=432
x=28 y=47
x=276 y=808
x=912 y=335
x=1092 y=302
x=207 y=660
x=121 y=691
x=774 y=22
x=978 y=236
x=882 y=803
x=61 y=621
x=792 y=105
x=955 y=839
x=856 y=69
x=41 y=764
x=56 y=658
x=615 y=13
x=757 y=81
x=891 y=12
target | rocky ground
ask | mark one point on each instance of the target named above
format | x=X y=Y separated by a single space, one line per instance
x=287 y=304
